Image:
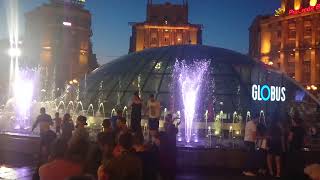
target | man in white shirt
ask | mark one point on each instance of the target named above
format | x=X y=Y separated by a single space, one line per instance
x=250 y=133
x=153 y=110
x=249 y=141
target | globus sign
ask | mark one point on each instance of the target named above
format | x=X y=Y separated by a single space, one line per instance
x=268 y=93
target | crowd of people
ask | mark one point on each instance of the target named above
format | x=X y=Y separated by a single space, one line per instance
x=122 y=152
x=118 y=152
x=274 y=148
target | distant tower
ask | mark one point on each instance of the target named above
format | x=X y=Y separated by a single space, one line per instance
x=165 y=25
x=58 y=35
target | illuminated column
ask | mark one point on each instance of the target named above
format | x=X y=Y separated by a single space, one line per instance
x=297 y=4
x=283 y=4
x=298 y=53
x=284 y=36
x=314 y=65
x=265 y=43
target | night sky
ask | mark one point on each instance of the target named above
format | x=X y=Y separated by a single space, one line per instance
x=225 y=22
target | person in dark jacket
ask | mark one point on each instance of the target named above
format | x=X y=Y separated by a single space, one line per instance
x=125 y=166
x=148 y=158
x=168 y=150
x=275 y=146
x=67 y=127
x=136 y=107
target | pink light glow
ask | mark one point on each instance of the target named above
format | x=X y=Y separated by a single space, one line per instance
x=23 y=88
x=190 y=79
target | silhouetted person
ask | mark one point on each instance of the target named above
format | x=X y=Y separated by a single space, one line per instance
x=168 y=149
x=125 y=166
x=275 y=148
x=107 y=131
x=67 y=127
x=80 y=133
x=101 y=150
x=296 y=136
x=115 y=118
x=295 y=160
x=106 y=143
x=136 y=107
x=148 y=158
x=46 y=135
x=59 y=166
x=58 y=122
x=44 y=120
x=249 y=141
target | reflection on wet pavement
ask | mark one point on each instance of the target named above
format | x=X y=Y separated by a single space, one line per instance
x=16 y=173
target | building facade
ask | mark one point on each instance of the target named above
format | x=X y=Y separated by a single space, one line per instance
x=166 y=24
x=290 y=40
x=57 y=38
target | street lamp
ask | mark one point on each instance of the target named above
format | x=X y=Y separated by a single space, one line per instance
x=14 y=52
x=313 y=87
x=74 y=81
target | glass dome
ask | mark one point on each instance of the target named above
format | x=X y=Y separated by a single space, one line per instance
x=228 y=83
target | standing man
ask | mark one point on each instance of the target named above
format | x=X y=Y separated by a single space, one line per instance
x=44 y=120
x=153 y=110
x=58 y=122
x=249 y=141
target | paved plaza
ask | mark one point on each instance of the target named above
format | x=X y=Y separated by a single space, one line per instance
x=20 y=172
x=16 y=172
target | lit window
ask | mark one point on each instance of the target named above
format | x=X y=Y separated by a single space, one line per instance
x=313 y=2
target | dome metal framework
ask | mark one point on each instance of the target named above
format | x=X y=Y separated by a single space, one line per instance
x=227 y=85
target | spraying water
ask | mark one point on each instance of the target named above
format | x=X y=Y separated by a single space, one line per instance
x=190 y=78
x=23 y=89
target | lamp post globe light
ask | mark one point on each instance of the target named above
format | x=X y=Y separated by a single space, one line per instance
x=14 y=52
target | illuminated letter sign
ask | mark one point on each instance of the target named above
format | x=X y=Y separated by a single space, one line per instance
x=304 y=10
x=268 y=93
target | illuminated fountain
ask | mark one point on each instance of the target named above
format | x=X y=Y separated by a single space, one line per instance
x=23 y=90
x=23 y=81
x=190 y=78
